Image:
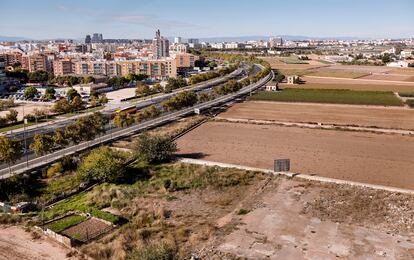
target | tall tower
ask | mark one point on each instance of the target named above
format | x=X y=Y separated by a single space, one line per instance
x=160 y=46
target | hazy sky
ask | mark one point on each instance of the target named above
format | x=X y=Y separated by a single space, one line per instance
x=40 y=19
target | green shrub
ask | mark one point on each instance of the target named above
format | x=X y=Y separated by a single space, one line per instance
x=54 y=169
x=406 y=94
x=410 y=103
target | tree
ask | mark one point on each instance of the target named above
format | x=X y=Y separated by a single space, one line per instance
x=77 y=103
x=102 y=164
x=40 y=76
x=50 y=93
x=61 y=106
x=142 y=89
x=88 y=79
x=123 y=119
x=11 y=117
x=42 y=144
x=30 y=92
x=59 y=138
x=103 y=99
x=150 y=112
x=173 y=83
x=71 y=94
x=152 y=149
x=10 y=150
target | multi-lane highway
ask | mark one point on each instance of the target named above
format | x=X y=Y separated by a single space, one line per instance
x=117 y=133
x=108 y=110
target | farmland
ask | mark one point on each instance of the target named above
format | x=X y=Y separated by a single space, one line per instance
x=363 y=157
x=331 y=96
x=354 y=84
x=346 y=115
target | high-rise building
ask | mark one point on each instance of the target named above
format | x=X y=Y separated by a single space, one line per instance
x=275 y=41
x=2 y=75
x=88 y=39
x=193 y=41
x=97 y=38
x=177 y=40
x=160 y=46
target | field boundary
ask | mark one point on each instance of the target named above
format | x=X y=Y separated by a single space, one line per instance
x=318 y=125
x=298 y=175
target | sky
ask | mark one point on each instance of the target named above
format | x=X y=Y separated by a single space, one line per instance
x=46 y=19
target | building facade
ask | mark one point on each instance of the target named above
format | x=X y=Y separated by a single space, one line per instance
x=160 y=46
x=2 y=75
x=63 y=67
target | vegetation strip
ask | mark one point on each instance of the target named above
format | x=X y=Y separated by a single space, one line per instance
x=337 y=96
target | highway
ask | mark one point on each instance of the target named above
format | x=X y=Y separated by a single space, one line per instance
x=118 y=133
x=60 y=123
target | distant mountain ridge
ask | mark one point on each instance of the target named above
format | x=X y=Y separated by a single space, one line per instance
x=12 y=38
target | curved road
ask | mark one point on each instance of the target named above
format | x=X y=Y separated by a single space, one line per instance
x=118 y=133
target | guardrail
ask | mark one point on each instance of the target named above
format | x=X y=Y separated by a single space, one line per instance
x=42 y=161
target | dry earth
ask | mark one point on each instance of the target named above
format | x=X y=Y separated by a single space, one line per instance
x=17 y=244
x=289 y=219
x=367 y=116
x=362 y=157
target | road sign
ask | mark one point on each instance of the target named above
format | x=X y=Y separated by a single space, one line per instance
x=282 y=165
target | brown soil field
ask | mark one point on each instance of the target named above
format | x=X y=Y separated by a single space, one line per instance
x=404 y=71
x=390 y=77
x=17 y=244
x=87 y=229
x=366 y=116
x=362 y=157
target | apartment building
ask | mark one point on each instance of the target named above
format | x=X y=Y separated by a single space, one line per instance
x=38 y=61
x=157 y=69
x=160 y=46
x=185 y=60
x=2 y=74
x=63 y=67
x=11 y=58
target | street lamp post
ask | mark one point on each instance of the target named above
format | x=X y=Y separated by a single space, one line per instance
x=25 y=141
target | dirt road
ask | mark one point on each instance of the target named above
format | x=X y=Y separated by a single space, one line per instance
x=362 y=157
x=367 y=116
x=17 y=244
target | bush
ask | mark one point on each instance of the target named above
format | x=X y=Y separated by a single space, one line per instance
x=102 y=164
x=410 y=103
x=54 y=169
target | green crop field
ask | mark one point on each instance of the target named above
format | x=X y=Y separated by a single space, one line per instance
x=64 y=223
x=336 y=96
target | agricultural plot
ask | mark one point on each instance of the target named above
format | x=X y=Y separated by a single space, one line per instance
x=333 y=114
x=340 y=96
x=336 y=73
x=79 y=227
x=356 y=156
x=87 y=230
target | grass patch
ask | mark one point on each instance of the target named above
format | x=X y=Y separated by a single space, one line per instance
x=337 y=74
x=335 y=96
x=64 y=223
x=406 y=94
x=293 y=61
x=79 y=202
x=299 y=72
x=410 y=103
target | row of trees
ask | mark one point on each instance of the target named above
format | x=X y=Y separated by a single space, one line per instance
x=119 y=82
x=71 y=80
x=84 y=129
x=124 y=119
x=183 y=99
x=212 y=74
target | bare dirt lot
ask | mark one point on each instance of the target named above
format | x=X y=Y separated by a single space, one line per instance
x=362 y=157
x=17 y=244
x=29 y=108
x=367 y=116
x=287 y=219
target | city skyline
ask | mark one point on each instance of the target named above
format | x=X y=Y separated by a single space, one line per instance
x=124 y=19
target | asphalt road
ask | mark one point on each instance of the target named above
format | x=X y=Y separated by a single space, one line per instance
x=117 y=133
